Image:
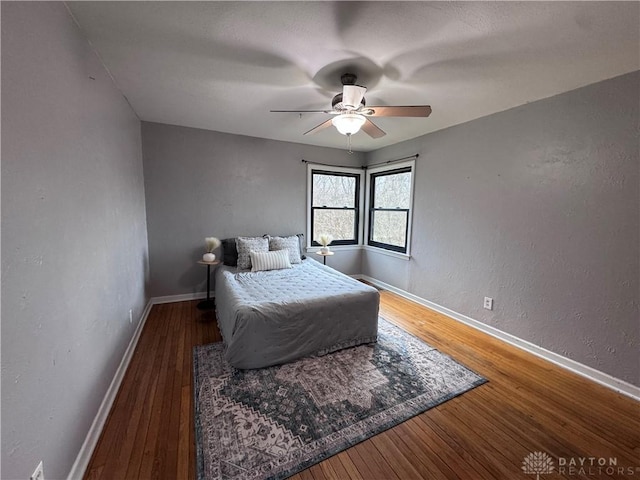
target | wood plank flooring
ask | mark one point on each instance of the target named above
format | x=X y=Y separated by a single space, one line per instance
x=528 y=405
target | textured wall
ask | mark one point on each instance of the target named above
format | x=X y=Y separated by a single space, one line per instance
x=537 y=207
x=74 y=241
x=200 y=183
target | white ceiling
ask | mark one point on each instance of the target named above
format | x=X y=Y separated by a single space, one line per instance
x=223 y=65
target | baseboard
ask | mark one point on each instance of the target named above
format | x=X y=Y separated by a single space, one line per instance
x=591 y=373
x=180 y=298
x=84 y=456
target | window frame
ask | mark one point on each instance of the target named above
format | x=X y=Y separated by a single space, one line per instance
x=358 y=174
x=384 y=170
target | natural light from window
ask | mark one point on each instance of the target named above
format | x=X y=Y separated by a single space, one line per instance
x=334 y=206
x=390 y=201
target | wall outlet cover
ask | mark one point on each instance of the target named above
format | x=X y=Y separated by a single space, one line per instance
x=488 y=303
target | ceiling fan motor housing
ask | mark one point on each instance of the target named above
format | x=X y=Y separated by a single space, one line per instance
x=338 y=106
x=348 y=79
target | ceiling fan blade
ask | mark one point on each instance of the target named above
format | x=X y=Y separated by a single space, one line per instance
x=352 y=96
x=302 y=111
x=372 y=129
x=322 y=126
x=399 y=111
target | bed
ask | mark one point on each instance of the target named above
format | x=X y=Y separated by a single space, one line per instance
x=276 y=316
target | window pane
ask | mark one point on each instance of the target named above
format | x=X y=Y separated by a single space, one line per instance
x=337 y=223
x=392 y=191
x=389 y=227
x=331 y=190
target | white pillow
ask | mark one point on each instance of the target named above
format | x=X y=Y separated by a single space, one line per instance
x=291 y=244
x=274 y=260
x=244 y=245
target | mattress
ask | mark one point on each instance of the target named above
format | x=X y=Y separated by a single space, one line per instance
x=273 y=317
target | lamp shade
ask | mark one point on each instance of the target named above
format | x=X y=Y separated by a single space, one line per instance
x=348 y=123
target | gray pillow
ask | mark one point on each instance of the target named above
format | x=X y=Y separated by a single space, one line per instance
x=291 y=244
x=302 y=245
x=244 y=245
x=229 y=252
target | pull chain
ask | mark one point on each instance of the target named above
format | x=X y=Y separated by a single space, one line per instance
x=349 y=142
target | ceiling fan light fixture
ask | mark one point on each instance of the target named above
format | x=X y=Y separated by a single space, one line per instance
x=348 y=123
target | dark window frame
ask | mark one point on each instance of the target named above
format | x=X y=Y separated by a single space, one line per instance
x=355 y=208
x=372 y=210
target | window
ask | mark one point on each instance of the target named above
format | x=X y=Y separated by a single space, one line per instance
x=335 y=205
x=390 y=202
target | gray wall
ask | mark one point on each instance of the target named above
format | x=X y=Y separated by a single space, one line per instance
x=201 y=183
x=74 y=241
x=537 y=207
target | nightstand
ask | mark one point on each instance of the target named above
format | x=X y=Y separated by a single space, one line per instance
x=324 y=256
x=209 y=303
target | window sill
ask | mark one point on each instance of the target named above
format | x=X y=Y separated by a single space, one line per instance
x=336 y=248
x=389 y=253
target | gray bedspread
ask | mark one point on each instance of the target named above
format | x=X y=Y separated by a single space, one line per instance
x=273 y=317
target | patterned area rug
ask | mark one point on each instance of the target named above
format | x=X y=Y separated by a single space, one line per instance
x=273 y=422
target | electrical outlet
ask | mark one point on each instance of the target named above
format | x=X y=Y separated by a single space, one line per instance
x=130 y=315
x=38 y=473
x=488 y=303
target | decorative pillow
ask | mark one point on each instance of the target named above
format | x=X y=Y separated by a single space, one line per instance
x=244 y=245
x=229 y=252
x=290 y=244
x=302 y=245
x=274 y=260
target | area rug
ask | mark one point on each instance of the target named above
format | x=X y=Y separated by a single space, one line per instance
x=274 y=422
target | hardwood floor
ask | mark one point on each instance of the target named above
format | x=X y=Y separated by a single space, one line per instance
x=528 y=405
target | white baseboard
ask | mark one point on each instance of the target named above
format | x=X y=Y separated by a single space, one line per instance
x=91 y=440
x=180 y=298
x=589 y=372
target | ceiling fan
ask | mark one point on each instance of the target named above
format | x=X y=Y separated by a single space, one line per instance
x=350 y=111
